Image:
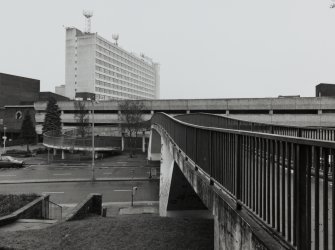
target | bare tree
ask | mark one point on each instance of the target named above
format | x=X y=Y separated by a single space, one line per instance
x=132 y=117
x=82 y=118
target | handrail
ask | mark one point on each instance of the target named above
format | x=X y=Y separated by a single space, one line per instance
x=213 y=120
x=57 y=205
x=270 y=175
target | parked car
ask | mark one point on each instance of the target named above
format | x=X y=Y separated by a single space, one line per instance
x=10 y=162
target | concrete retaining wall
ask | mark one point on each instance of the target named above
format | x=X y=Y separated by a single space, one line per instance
x=91 y=205
x=37 y=209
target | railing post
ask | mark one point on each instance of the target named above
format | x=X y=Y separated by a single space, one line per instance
x=210 y=154
x=196 y=147
x=238 y=161
x=301 y=233
x=299 y=132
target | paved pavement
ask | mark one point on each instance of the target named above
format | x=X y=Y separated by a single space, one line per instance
x=27 y=224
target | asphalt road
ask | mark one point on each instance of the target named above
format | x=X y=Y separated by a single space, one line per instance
x=69 y=191
x=36 y=172
x=74 y=192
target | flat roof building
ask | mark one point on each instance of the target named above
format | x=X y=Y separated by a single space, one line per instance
x=60 y=90
x=16 y=90
x=99 y=69
x=324 y=89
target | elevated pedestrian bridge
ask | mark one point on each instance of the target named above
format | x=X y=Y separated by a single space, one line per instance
x=267 y=186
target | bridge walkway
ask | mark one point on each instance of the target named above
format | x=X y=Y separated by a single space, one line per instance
x=278 y=178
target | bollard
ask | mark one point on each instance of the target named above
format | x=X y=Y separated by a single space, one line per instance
x=104 y=212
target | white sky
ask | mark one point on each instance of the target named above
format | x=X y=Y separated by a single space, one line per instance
x=207 y=49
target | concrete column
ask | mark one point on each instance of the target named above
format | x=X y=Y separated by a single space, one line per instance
x=320 y=112
x=152 y=112
x=122 y=142
x=48 y=155
x=143 y=142
x=167 y=164
x=63 y=154
x=55 y=151
x=271 y=112
x=227 y=112
x=187 y=111
x=119 y=116
x=216 y=232
x=154 y=147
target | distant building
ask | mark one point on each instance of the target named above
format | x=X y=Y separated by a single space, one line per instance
x=60 y=90
x=45 y=96
x=99 y=69
x=17 y=90
x=17 y=97
x=325 y=89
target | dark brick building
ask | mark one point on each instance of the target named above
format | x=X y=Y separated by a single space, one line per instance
x=17 y=90
x=325 y=89
x=45 y=96
x=17 y=97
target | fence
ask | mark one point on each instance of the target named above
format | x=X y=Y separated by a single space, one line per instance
x=212 y=120
x=70 y=139
x=269 y=175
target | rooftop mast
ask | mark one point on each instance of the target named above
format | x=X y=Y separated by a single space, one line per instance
x=88 y=14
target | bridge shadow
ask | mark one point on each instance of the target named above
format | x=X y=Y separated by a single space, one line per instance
x=183 y=201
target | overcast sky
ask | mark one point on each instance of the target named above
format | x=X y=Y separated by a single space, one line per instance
x=207 y=49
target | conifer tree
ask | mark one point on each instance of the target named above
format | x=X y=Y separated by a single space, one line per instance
x=52 y=120
x=28 y=132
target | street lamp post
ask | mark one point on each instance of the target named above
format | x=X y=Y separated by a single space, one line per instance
x=93 y=146
x=4 y=139
x=93 y=149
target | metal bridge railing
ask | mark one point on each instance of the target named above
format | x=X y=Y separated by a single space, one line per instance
x=212 y=120
x=269 y=175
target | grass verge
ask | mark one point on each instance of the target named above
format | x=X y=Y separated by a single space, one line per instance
x=122 y=232
x=9 y=203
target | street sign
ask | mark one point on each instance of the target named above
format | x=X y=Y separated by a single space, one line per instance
x=4 y=137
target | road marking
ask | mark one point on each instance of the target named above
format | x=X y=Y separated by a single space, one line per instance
x=68 y=205
x=63 y=174
x=125 y=190
x=52 y=192
x=113 y=203
x=7 y=175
